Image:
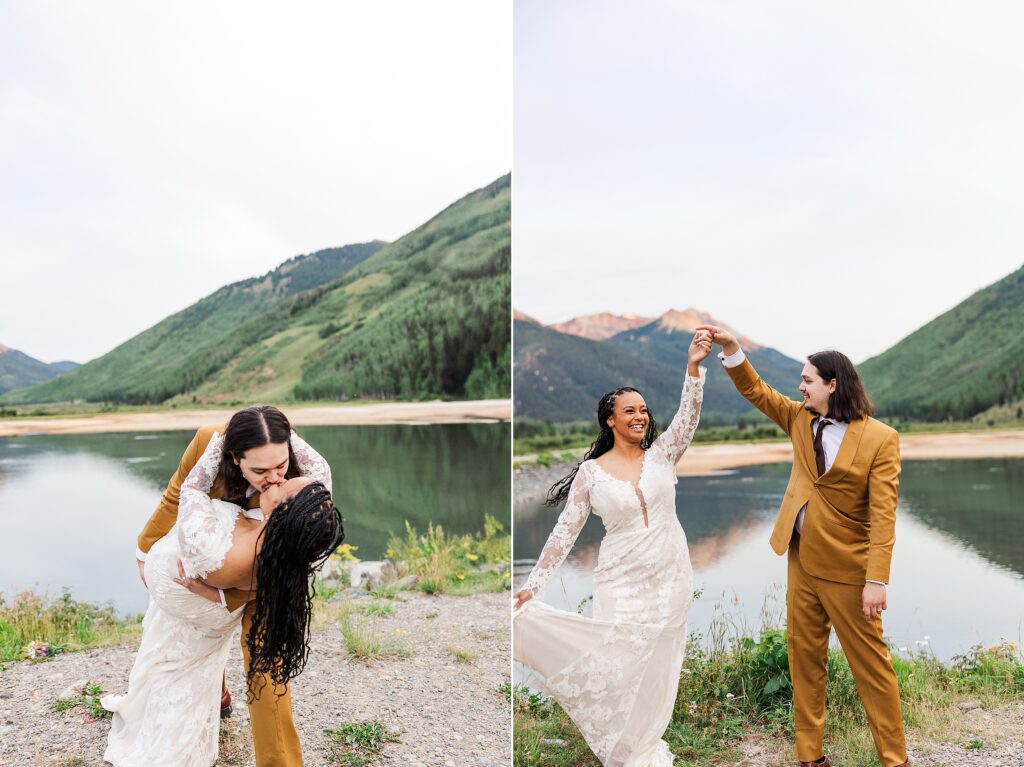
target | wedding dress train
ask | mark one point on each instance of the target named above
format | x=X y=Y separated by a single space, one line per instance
x=616 y=673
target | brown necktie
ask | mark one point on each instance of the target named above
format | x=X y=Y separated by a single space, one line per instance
x=819 y=451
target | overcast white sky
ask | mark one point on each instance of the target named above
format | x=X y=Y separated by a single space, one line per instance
x=816 y=174
x=151 y=153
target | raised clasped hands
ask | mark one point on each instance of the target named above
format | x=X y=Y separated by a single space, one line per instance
x=700 y=348
x=722 y=337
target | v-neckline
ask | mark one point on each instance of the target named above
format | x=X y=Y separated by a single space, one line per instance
x=635 y=485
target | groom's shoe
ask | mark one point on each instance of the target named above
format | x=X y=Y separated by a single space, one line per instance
x=825 y=762
x=225 y=705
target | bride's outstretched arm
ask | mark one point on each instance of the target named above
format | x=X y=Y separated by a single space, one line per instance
x=562 y=538
x=676 y=438
x=204 y=542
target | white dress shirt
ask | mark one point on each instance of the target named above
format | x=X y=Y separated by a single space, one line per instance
x=830 y=440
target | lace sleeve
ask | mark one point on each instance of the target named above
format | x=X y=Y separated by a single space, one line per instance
x=676 y=438
x=204 y=539
x=311 y=463
x=562 y=538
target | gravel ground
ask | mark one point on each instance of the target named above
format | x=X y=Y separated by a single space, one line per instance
x=446 y=711
x=995 y=737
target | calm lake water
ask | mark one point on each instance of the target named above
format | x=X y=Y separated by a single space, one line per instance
x=72 y=506
x=958 y=566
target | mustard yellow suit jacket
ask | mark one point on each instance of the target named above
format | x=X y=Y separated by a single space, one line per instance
x=166 y=514
x=849 y=527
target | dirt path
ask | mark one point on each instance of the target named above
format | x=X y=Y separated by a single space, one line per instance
x=447 y=712
x=373 y=414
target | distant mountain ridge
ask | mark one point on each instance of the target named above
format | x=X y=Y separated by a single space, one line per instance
x=598 y=327
x=18 y=369
x=425 y=316
x=560 y=376
x=962 y=363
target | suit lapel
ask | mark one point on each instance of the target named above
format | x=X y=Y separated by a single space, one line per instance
x=847 y=450
x=806 y=447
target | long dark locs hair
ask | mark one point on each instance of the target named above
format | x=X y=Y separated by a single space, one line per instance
x=254 y=426
x=604 y=442
x=299 y=536
x=849 y=402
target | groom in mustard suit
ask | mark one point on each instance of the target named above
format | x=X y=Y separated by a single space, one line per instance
x=275 y=739
x=837 y=520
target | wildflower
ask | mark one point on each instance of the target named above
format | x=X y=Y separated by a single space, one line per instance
x=472 y=557
x=687 y=671
x=38 y=650
x=729 y=695
x=460 y=576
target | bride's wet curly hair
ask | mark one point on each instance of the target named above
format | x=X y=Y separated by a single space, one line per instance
x=299 y=536
x=604 y=442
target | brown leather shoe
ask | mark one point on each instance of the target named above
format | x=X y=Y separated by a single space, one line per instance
x=225 y=705
x=826 y=763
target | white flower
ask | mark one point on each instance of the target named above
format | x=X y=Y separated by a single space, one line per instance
x=729 y=695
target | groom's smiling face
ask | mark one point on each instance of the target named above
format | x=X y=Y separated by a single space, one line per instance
x=816 y=390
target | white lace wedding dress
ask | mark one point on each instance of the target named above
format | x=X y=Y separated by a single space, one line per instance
x=616 y=674
x=170 y=716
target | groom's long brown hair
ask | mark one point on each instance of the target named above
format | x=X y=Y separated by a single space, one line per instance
x=849 y=402
x=252 y=427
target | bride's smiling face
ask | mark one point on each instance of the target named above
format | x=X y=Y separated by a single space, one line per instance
x=630 y=418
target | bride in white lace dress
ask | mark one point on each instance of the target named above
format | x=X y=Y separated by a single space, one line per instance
x=616 y=673
x=170 y=716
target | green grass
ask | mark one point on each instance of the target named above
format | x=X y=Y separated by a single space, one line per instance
x=379 y=609
x=87 y=698
x=364 y=641
x=742 y=686
x=357 y=744
x=462 y=656
x=384 y=591
x=65 y=624
x=451 y=564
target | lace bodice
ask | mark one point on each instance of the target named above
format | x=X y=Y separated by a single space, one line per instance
x=623 y=506
x=206 y=525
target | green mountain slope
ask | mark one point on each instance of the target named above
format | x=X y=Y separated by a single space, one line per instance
x=560 y=377
x=425 y=316
x=18 y=369
x=961 y=363
x=155 y=364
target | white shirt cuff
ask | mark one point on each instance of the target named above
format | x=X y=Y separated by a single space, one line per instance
x=733 y=360
x=880 y=583
x=140 y=554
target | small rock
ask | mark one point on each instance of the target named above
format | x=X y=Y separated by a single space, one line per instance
x=969 y=705
x=73 y=689
x=552 y=742
x=408 y=582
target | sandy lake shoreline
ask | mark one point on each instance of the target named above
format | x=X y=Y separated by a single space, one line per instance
x=704 y=459
x=375 y=413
